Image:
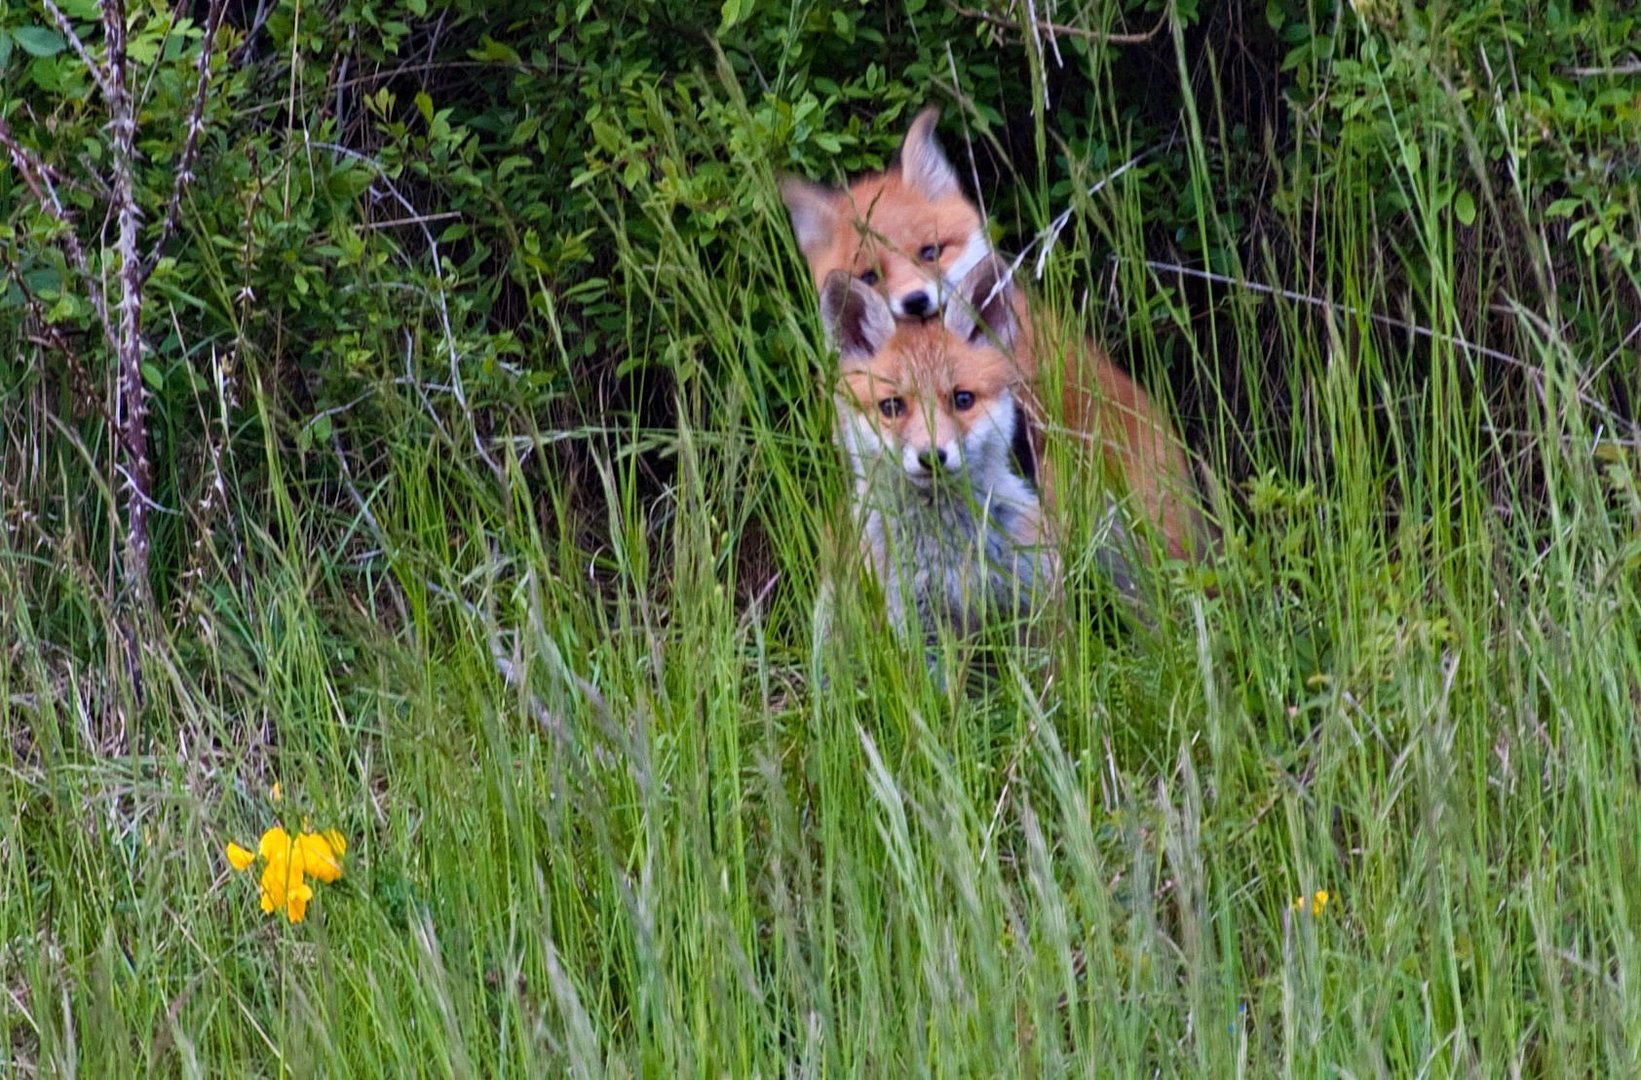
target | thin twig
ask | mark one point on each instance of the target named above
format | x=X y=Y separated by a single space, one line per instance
x=419 y=219
x=1070 y=31
x=1383 y=320
x=190 y=143
x=1631 y=68
x=94 y=69
x=242 y=54
x=37 y=178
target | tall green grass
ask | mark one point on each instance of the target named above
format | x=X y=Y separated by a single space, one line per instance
x=616 y=808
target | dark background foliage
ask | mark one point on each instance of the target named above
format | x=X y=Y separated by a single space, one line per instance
x=471 y=202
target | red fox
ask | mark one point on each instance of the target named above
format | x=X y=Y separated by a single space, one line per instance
x=908 y=243
x=933 y=418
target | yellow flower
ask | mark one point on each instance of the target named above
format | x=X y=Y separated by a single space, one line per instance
x=275 y=844
x=289 y=862
x=296 y=903
x=274 y=793
x=283 y=887
x=1316 y=902
x=277 y=878
x=320 y=857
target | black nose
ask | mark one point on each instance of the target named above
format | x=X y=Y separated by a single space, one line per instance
x=933 y=459
x=917 y=304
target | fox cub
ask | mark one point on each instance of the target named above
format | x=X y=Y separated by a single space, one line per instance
x=937 y=401
x=933 y=421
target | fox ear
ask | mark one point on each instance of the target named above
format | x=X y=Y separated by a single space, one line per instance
x=858 y=321
x=983 y=309
x=814 y=211
x=922 y=163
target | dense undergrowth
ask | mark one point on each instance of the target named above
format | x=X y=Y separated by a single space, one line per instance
x=492 y=472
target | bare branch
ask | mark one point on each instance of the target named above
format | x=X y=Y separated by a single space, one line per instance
x=131 y=397
x=66 y=28
x=1632 y=67
x=1056 y=29
x=420 y=220
x=1598 y=407
x=37 y=178
x=190 y=144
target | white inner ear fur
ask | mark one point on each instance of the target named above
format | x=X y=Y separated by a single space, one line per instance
x=814 y=213
x=857 y=321
x=975 y=250
x=984 y=307
x=922 y=163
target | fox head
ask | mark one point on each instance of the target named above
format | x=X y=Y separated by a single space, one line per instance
x=936 y=398
x=909 y=233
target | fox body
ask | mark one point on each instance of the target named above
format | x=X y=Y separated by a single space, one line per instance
x=932 y=416
x=937 y=401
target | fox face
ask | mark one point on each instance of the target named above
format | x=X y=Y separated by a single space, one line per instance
x=936 y=399
x=908 y=233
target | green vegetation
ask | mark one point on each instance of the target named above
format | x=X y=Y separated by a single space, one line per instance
x=490 y=474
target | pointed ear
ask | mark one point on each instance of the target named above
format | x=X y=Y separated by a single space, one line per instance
x=814 y=211
x=922 y=163
x=983 y=309
x=858 y=321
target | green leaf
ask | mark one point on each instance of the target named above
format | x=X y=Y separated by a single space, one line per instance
x=39 y=41
x=153 y=377
x=1464 y=208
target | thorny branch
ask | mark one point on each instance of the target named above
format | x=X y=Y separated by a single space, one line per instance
x=190 y=144
x=66 y=28
x=123 y=326
x=37 y=178
x=131 y=397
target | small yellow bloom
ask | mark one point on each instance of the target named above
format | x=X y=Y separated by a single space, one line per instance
x=277 y=878
x=296 y=902
x=275 y=844
x=288 y=863
x=1316 y=903
x=319 y=857
x=275 y=793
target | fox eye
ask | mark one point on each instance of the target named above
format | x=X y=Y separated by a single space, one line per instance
x=891 y=407
x=868 y=277
x=929 y=252
x=963 y=400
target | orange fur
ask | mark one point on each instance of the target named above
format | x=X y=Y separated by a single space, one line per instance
x=882 y=224
x=886 y=224
x=1139 y=449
